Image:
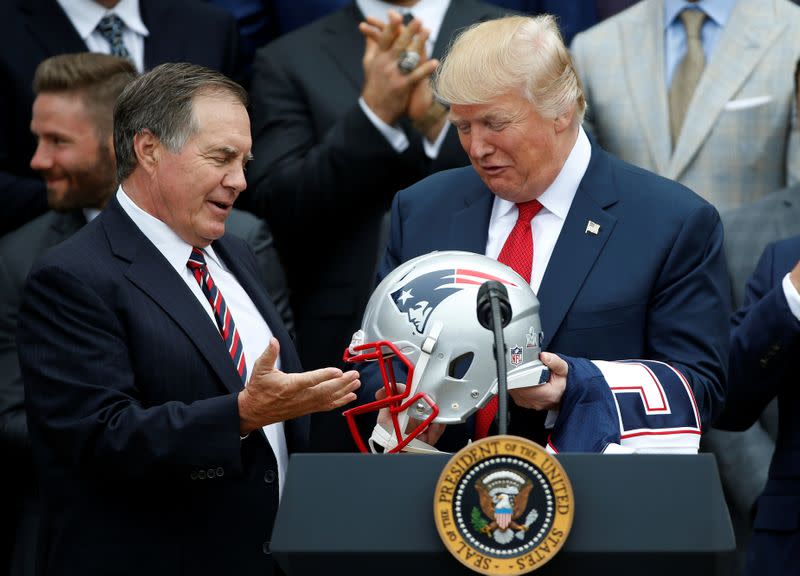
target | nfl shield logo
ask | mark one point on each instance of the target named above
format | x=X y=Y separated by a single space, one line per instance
x=516 y=355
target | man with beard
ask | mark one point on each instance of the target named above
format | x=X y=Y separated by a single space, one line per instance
x=73 y=123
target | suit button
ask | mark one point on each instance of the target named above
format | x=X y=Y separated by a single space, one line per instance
x=269 y=476
x=266 y=548
x=201 y=474
x=210 y=473
x=220 y=471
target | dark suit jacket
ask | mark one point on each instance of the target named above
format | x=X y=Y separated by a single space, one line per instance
x=131 y=401
x=651 y=284
x=765 y=343
x=32 y=30
x=321 y=165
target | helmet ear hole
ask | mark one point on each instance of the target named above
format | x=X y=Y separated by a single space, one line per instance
x=459 y=366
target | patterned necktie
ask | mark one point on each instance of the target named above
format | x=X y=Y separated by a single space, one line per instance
x=517 y=253
x=110 y=28
x=225 y=323
x=688 y=73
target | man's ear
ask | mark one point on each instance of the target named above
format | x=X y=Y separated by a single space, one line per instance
x=564 y=121
x=148 y=150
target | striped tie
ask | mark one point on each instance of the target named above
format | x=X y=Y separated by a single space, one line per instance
x=227 y=327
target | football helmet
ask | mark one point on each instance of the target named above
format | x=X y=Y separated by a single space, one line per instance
x=422 y=319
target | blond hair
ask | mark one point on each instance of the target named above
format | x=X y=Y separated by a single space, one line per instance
x=527 y=54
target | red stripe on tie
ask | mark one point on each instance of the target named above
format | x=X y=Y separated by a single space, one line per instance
x=225 y=323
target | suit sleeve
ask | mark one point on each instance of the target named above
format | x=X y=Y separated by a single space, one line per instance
x=348 y=168
x=661 y=403
x=764 y=330
x=13 y=427
x=84 y=401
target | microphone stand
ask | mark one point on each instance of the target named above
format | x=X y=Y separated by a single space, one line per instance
x=494 y=313
x=500 y=359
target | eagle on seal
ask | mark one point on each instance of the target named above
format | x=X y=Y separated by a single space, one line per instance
x=502 y=514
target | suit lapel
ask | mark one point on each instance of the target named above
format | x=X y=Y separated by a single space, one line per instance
x=643 y=53
x=576 y=250
x=65 y=225
x=749 y=33
x=153 y=275
x=49 y=24
x=257 y=294
x=345 y=44
x=472 y=218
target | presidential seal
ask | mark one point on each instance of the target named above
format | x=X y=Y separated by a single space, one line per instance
x=503 y=505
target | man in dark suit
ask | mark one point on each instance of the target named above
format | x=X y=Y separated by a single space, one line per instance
x=625 y=264
x=765 y=342
x=72 y=120
x=163 y=393
x=334 y=141
x=32 y=30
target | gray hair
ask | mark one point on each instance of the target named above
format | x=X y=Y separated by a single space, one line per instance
x=161 y=102
x=520 y=53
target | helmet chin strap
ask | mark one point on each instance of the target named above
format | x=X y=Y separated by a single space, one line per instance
x=384 y=436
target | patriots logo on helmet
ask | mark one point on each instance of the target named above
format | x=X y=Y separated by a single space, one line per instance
x=420 y=296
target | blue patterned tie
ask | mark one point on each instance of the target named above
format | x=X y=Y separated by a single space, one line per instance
x=110 y=27
x=225 y=323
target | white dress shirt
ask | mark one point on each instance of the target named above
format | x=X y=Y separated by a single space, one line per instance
x=431 y=13
x=792 y=296
x=546 y=225
x=85 y=15
x=253 y=330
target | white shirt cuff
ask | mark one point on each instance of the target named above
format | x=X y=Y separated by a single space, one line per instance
x=396 y=138
x=792 y=297
x=432 y=148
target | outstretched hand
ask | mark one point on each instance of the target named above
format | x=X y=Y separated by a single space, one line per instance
x=274 y=396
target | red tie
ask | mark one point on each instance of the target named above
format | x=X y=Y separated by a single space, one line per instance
x=225 y=323
x=517 y=253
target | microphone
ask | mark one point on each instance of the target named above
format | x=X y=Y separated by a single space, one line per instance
x=494 y=313
x=489 y=289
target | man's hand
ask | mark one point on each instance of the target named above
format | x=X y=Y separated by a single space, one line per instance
x=387 y=91
x=274 y=396
x=430 y=435
x=794 y=276
x=548 y=395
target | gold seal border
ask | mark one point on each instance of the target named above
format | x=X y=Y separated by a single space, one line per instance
x=494 y=447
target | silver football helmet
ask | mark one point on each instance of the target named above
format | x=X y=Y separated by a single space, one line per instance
x=423 y=315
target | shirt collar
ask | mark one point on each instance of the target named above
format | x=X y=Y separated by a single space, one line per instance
x=717 y=10
x=85 y=15
x=172 y=246
x=431 y=12
x=557 y=198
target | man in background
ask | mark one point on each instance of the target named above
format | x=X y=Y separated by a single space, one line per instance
x=148 y=32
x=700 y=92
x=765 y=341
